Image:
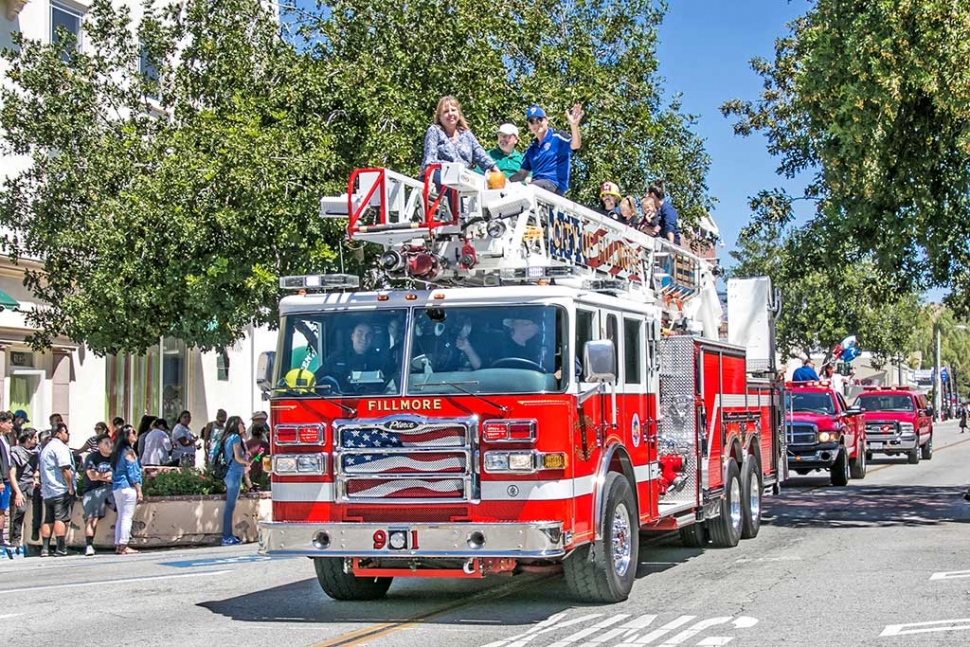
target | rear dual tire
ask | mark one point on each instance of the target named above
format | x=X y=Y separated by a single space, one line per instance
x=726 y=528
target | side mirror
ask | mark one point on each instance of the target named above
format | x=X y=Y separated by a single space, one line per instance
x=599 y=361
x=854 y=411
x=929 y=411
x=264 y=370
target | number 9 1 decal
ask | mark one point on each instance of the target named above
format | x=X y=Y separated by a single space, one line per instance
x=392 y=539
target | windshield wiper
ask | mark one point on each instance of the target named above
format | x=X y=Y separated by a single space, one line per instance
x=303 y=391
x=458 y=385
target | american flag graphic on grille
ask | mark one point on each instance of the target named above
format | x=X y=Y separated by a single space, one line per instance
x=405 y=488
x=404 y=458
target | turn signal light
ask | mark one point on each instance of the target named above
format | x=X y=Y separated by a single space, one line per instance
x=307 y=434
x=509 y=431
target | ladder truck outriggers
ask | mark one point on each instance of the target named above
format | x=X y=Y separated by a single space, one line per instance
x=527 y=386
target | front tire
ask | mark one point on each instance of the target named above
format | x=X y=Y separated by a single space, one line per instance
x=913 y=455
x=859 y=466
x=840 y=468
x=346 y=586
x=726 y=528
x=751 y=489
x=928 y=449
x=607 y=573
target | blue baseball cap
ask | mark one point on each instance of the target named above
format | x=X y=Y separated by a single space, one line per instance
x=20 y=413
x=534 y=112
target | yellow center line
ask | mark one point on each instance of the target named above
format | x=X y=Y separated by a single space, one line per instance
x=387 y=628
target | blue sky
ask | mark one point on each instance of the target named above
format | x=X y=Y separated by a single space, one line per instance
x=705 y=47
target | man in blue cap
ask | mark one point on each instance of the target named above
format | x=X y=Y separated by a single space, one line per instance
x=548 y=156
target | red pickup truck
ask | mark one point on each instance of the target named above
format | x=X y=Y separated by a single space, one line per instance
x=823 y=432
x=898 y=421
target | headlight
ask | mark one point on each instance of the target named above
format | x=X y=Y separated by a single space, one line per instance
x=906 y=427
x=510 y=462
x=300 y=464
x=827 y=436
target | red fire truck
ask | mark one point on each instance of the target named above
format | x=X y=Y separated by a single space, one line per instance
x=526 y=386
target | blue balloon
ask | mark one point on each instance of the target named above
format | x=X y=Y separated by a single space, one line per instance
x=850 y=353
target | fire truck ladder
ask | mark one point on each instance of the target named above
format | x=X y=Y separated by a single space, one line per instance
x=469 y=235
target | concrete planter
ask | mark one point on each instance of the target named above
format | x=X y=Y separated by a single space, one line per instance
x=174 y=521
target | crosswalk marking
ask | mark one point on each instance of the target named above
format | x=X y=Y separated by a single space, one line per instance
x=627 y=631
x=962 y=624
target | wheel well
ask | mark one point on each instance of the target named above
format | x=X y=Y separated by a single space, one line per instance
x=621 y=463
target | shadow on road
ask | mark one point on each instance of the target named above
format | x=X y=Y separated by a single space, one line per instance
x=808 y=503
x=439 y=601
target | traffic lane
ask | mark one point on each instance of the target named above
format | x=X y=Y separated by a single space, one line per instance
x=139 y=598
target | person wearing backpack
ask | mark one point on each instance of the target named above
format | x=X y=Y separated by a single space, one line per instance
x=232 y=464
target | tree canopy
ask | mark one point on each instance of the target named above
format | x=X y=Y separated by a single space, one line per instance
x=825 y=297
x=870 y=99
x=174 y=216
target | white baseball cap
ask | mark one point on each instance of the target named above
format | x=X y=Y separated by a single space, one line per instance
x=508 y=129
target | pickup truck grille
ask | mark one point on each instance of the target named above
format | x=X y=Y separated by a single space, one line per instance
x=801 y=434
x=404 y=459
x=873 y=426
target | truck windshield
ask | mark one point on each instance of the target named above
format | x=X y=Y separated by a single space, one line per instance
x=486 y=350
x=342 y=353
x=809 y=402
x=885 y=402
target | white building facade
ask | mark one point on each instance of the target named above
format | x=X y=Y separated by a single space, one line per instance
x=67 y=378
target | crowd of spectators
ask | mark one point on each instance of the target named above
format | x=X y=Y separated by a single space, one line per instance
x=39 y=471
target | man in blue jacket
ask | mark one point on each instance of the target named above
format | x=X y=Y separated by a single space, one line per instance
x=549 y=154
x=806 y=373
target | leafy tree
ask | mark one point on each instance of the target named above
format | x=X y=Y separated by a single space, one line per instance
x=824 y=297
x=169 y=216
x=871 y=99
x=397 y=59
x=175 y=215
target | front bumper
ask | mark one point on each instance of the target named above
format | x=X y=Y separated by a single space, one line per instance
x=464 y=540
x=891 y=443
x=821 y=456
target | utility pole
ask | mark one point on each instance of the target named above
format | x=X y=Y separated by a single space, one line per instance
x=937 y=381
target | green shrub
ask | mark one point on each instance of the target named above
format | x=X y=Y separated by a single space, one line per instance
x=183 y=482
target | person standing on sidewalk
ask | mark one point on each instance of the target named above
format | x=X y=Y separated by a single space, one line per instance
x=183 y=441
x=212 y=434
x=238 y=463
x=7 y=488
x=126 y=485
x=57 y=487
x=23 y=472
x=963 y=419
x=96 y=490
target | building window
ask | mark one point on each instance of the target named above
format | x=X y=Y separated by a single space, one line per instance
x=150 y=384
x=67 y=19
x=148 y=69
x=222 y=365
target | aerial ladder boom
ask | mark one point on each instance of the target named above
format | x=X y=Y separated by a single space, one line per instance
x=470 y=235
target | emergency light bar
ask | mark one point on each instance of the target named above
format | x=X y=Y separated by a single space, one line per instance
x=811 y=383
x=320 y=282
x=605 y=285
x=888 y=388
x=537 y=272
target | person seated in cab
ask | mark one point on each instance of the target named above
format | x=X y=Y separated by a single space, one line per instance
x=348 y=365
x=520 y=347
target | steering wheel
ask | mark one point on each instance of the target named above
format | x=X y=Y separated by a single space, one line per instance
x=517 y=362
x=331 y=381
x=420 y=363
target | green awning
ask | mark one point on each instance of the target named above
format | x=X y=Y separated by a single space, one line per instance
x=7 y=301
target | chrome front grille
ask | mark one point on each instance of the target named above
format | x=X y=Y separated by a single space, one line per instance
x=801 y=433
x=404 y=459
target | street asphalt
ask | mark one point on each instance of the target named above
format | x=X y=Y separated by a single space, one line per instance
x=885 y=561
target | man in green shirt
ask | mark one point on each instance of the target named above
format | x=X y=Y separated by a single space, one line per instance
x=506 y=157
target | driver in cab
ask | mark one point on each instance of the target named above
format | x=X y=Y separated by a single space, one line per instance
x=520 y=342
x=346 y=366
